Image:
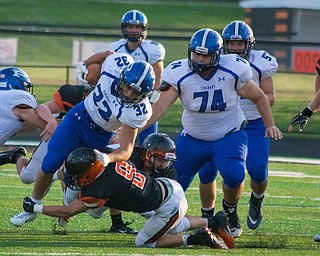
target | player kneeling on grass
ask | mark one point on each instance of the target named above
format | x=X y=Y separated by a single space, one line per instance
x=120 y=185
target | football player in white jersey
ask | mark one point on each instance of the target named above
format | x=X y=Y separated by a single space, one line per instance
x=209 y=86
x=17 y=111
x=120 y=99
x=238 y=39
x=134 y=25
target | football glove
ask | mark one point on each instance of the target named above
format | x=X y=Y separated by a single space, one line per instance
x=103 y=157
x=301 y=119
x=81 y=72
x=28 y=204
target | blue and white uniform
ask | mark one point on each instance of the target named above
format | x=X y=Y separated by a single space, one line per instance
x=263 y=65
x=91 y=123
x=149 y=51
x=212 y=119
x=9 y=123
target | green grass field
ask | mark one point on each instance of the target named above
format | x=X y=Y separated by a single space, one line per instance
x=291 y=218
x=291 y=209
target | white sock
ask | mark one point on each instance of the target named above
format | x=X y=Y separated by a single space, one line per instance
x=258 y=196
x=37 y=201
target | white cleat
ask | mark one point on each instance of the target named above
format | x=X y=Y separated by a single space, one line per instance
x=22 y=218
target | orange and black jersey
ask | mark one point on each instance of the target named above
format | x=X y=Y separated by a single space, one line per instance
x=69 y=95
x=122 y=186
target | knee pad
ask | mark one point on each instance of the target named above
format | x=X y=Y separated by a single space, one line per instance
x=258 y=173
x=208 y=173
x=69 y=196
x=27 y=177
x=235 y=176
x=182 y=226
x=140 y=243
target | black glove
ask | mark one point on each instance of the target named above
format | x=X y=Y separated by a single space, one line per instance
x=302 y=119
x=28 y=204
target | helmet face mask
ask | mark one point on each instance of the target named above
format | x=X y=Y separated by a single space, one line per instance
x=205 y=42
x=238 y=31
x=12 y=78
x=158 y=153
x=136 y=80
x=81 y=168
x=134 y=18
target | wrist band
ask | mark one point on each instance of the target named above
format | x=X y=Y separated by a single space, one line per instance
x=154 y=97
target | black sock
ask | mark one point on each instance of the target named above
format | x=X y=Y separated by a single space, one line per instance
x=192 y=240
x=229 y=208
x=117 y=219
x=16 y=157
x=207 y=213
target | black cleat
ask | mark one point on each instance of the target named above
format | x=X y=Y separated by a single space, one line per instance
x=11 y=156
x=255 y=212
x=218 y=225
x=123 y=229
x=234 y=224
x=204 y=237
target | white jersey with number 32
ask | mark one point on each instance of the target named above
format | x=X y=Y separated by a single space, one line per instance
x=103 y=104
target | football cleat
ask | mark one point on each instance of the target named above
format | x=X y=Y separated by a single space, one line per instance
x=11 y=156
x=123 y=229
x=255 y=212
x=22 y=218
x=218 y=225
x=204 y=237
x=234 y=224
x=316 y=238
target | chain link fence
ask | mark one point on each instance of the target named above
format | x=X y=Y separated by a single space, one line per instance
x=49 y=55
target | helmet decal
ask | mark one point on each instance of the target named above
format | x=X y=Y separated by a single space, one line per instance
x=12 y=78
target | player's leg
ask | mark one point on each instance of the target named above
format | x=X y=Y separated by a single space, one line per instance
x=207 y=189
x=230 y=155
x=257 y=166
x=190 y=161
x=167 y=216
x=118 y=225
x=28 y=169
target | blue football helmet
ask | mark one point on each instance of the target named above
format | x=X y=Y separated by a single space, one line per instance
x=134 y=17
x=139 y=77
x=15 y=78
x=207 y=42
x=238 y=31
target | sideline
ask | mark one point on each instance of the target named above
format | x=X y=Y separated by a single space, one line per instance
x=271 y=158
x=294 y=160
